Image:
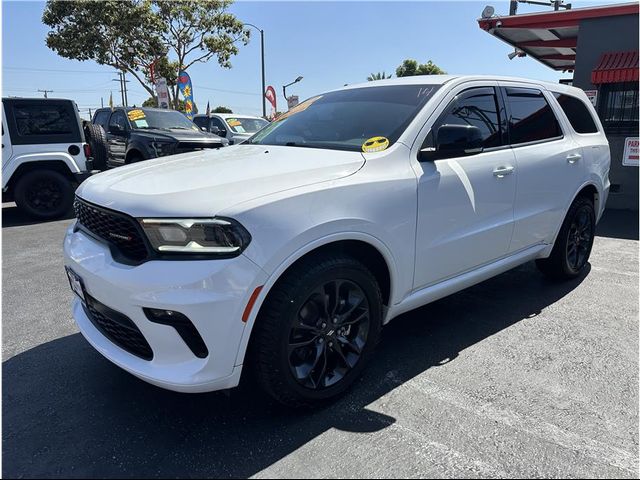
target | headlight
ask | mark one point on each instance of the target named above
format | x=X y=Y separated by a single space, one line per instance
x=162 y=148
x=205 y=236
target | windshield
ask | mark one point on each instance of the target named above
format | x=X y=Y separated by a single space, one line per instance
x=160 y=119
x=347 y=119
x=245 y=125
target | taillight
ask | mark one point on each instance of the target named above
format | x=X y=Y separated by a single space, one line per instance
x=87 y=150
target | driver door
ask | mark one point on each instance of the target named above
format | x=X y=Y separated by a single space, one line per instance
x=465 y=195
x=117 y=137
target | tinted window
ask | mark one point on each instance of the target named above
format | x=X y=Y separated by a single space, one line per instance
x=43 y=119
x=102 y=118
x=346 y=119
x=531 y=118
x=577 y=112
x=479 y=108
x=216 y=122
x=118 y=119
x=201 y=121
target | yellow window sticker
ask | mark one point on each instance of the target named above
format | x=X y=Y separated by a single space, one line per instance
x=136 y=114
x=233 y=122
x=375 y=144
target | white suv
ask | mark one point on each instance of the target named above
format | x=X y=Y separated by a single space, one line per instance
x=288 y=253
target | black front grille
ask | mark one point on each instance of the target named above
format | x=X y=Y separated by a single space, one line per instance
x=118 y=328
x=120 y=231
x=183 y=147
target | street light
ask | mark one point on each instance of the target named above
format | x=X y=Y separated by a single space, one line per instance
x=264 y=105
x=284 y=87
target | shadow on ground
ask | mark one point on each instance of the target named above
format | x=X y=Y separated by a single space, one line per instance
x=12 y=216
x=618 y=224
x=67 y=412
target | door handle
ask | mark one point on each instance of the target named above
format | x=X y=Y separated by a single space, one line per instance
x=573 y=157
x=501 y=172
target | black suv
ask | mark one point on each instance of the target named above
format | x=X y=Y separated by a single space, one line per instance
x=134 y=134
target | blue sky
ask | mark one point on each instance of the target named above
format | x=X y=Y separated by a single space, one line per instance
x=329 y=44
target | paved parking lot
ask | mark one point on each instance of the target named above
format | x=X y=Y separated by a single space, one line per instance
x=515 y=377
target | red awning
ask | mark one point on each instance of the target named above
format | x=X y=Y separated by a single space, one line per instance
x=615 y=67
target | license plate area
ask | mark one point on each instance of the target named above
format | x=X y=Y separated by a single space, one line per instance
x=75 y=282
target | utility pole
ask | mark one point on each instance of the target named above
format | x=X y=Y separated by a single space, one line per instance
x=124 y=83
x=101 y=102
x=120 y=80
x=45 y=92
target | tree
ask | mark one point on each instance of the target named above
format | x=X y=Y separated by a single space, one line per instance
x=222 y=109
x=199 y=30
x=378 y=76
x=411 y=67
x=130 y=35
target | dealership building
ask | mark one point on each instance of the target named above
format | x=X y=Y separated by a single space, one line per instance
x=599 y=45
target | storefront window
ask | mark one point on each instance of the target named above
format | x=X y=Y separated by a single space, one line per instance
x=619 y=107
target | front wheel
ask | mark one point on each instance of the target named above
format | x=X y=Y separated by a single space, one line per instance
x=572 y=248
x=317 y=330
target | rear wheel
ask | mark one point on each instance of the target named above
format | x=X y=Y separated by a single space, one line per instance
x=572 y=248
x=44 y=194
x=317 y=330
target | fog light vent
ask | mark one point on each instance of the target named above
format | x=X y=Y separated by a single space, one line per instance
x=183 y=326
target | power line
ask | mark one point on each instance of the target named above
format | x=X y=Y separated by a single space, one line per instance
x=25 y=69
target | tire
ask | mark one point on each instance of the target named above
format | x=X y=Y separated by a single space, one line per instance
x=279 y=367
x=97 y=139
x=573 y=245
x=44 y=194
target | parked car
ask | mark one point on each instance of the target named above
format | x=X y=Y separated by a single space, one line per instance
x=135 y=134
x=287 y=254
x=44 y=155
x=235 y=128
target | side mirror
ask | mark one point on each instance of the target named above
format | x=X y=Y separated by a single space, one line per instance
x=204 y=129
x=218 y=131
x=458 y=141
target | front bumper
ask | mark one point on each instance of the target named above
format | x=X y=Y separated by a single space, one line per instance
x=211 y=293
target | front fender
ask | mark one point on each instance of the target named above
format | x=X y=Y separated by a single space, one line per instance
x=284 y=265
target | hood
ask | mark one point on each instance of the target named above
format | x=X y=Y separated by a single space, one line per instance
x=179 y=135
x=204 y=183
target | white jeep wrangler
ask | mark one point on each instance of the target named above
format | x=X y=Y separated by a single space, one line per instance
x=44 y=155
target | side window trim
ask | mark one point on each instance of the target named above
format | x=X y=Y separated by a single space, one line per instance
x=504 y=92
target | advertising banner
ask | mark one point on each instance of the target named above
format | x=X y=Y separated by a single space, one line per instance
x=270 y=95
x=162 y=91
x=184 y=84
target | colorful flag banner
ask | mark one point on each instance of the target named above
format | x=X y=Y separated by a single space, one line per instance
x=184 y=84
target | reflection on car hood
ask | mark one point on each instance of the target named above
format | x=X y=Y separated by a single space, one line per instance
x=179 y=135
x=204 y=183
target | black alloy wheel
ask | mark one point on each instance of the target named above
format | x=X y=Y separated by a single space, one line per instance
x=329 y=334
x=579 y=239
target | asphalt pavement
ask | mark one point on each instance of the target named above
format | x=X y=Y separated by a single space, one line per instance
x=515 y=377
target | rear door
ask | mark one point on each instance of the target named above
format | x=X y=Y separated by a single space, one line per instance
x=549 y=163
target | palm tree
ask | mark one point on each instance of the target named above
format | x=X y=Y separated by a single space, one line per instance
x=378 y=76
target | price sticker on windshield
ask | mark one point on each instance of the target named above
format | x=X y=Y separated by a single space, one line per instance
x=375 y=144
x=136 y=114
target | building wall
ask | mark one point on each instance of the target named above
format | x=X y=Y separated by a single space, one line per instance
x=595 y=37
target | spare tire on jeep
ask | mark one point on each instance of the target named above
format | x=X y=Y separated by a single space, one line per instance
x=97 y=140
